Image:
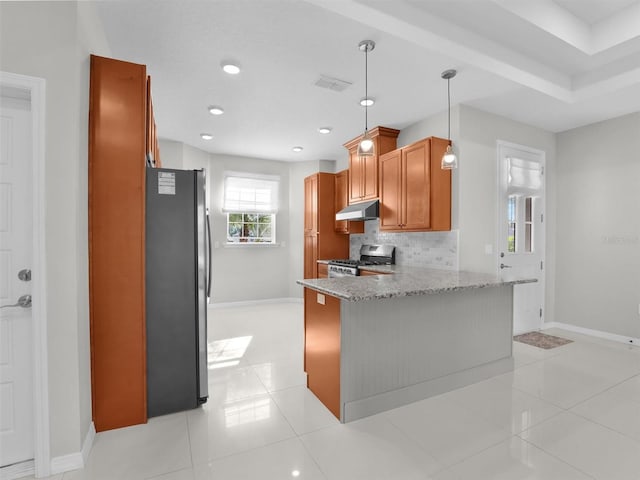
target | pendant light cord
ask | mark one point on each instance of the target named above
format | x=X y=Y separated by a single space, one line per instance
x=449 y=108
x=366 y=88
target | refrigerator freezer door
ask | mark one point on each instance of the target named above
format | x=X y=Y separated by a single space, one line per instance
x=173 y=306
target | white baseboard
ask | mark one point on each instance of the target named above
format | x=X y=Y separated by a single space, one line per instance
x=66 y=463
x=593 y=333
x=88 y=443
x=17 y=470
x=251 y=303
x=74 y=461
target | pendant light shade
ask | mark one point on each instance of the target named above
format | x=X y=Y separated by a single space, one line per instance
x=366 y=147
x=449 y=159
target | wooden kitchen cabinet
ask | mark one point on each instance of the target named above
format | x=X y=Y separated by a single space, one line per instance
x=152 y=148
x=323 y=270
x=341 y=201
x=322 y=348
x=363 y=172
x=321 y=241
x=117 y=148
x=364 y=273
x=415 y=193
x=123 y=141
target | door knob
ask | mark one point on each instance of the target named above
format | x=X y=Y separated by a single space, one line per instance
x=24 y=301
x=502 y=265
x=25 y=275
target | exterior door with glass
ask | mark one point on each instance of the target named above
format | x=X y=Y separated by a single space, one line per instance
x=521 y=234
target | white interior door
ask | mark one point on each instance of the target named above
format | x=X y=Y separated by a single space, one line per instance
x=16 y=349
x=521 y=230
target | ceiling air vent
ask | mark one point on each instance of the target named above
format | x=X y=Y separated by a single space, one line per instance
x=334 y=84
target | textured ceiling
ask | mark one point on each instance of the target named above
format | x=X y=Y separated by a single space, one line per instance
x=552 y=64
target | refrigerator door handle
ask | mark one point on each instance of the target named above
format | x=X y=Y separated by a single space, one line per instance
x=208 y=258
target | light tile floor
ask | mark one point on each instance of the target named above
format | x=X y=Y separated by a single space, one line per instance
x=572 y=412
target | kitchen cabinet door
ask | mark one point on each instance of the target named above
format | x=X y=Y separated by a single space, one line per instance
x=116 y=176
x=356 y=173
x=341 y=201
x=321 y=241
x=391 y=190
x=363 y=172
x=311 y=205
x=311 y=256
x=415 y=193
x=416 y=186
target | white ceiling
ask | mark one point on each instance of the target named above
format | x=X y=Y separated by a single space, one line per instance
x=554 y=64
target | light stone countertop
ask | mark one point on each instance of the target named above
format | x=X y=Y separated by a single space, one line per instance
x=405 y=281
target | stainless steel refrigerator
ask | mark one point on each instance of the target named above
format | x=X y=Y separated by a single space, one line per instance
x=178 y=277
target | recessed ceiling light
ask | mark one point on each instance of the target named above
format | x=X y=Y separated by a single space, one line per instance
x=230 y=68
x=297 y=149
x=206 y=136
x=367 y=101
x=325 y=130
x=215 y=110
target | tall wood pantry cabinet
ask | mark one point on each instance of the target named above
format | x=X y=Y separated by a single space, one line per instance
x=415 y=193
x=363 y=172
x=321 y=241
x=121 y=140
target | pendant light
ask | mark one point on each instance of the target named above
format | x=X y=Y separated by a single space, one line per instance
x=449 y=159
x=366 y=146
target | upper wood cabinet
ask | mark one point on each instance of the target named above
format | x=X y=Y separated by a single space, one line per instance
x=321 y=241
x=151 y=145
x=342 y=200
x=363 y=172
x=415 y=193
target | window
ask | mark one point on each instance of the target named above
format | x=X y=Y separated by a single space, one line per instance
x=251 y=204
x=511 y=220
x=250 y=228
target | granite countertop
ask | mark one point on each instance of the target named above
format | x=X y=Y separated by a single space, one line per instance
x=405 y=281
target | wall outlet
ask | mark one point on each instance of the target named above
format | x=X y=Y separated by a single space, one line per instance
x=488 y=249
x=320 y=299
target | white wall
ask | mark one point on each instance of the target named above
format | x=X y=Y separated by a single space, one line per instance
x=51 y=40
x=240 y=272
x=248 y=272
x=474 y=183
x=478 y=194
x=171 y=153
x=598 y=226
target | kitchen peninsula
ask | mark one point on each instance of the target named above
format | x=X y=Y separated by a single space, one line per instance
x=377 y=342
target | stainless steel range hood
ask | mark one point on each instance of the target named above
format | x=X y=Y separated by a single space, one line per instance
x=359 y=211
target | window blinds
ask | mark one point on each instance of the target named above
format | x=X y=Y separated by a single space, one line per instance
x=524 y=174
x=250 y=193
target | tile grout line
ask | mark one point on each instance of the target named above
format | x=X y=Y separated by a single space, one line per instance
x=557 y=458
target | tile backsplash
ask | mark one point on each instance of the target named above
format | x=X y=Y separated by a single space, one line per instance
x=425 y=249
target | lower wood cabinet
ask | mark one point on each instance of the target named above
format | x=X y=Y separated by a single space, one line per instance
x=364 y=273
x=322 y=347
x=323 y=270
x=415 y=193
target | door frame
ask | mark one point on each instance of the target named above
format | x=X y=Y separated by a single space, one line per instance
x=500 y=145
x=36 y=87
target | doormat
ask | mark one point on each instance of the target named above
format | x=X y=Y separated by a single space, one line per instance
x=541 y=340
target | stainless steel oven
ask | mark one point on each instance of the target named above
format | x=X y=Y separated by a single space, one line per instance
x=369 y=255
